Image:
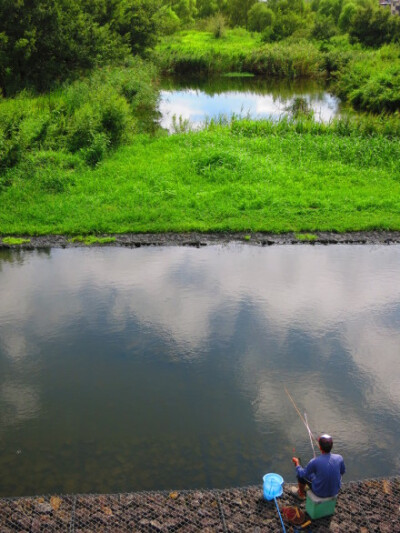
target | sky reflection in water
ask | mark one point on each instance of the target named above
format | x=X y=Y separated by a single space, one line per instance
x=165 y=367
x=258 y=99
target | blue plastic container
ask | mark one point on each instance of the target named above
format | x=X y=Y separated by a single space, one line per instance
x=272 y=487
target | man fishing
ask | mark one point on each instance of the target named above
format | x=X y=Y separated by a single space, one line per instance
x=323 y=474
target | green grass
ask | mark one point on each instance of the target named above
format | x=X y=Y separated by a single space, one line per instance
x=200 y=52
x=238 y=75
x=238 y=52
x=15 y=240
x=235 y=41
x=247 y=176
x=307 y=237
x=91 y=239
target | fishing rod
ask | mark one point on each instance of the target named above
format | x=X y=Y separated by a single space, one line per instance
x=304 y=420
x=310 y=434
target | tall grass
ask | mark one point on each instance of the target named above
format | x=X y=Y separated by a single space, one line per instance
x=301 y=59
x=87 y=118
x=289 y=176
x=238 y=50
x=198 y=52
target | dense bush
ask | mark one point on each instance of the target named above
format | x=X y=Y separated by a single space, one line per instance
x=87 y=117
x=371 y=81
x=374 y=26
x=260 y=17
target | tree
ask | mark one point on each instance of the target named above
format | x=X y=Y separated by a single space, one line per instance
x=43 y=42
x=260 y=17
x=135 y=21
x=324 y=27
x=167 y=21
x=346 y=15
x=285 y=25
x=185 y=9
x=206 y=8
x=238 y=11
x=330 y=8
x=373 y=26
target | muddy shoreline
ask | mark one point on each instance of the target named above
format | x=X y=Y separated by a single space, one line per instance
x=197 y=239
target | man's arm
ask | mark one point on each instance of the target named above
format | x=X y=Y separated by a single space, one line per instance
x=307 y=471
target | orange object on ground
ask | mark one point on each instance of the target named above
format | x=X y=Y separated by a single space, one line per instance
x=294 y=515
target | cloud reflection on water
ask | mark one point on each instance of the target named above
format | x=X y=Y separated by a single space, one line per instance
x=197 y=106
x=343 y=302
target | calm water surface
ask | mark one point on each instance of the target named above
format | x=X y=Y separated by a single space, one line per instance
x=258 y=98
x=155 y=368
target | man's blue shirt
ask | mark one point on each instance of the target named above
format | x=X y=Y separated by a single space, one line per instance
x=324 y=472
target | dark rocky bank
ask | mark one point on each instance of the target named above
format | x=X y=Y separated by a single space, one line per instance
x=197 y=239
x=362 y=507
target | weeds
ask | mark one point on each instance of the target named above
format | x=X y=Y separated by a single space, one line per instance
x=91 y=239
x=15 y=241
x=307 y=237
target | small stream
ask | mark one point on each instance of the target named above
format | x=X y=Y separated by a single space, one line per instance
x=165 y=367
x=195 y=100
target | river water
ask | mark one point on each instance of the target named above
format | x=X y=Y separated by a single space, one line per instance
x=198 y=100
x=156 y=368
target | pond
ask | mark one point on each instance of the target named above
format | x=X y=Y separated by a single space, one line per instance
x=166 y=367
x=196 y=100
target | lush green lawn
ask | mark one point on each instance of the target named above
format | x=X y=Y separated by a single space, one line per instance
x=226 y=178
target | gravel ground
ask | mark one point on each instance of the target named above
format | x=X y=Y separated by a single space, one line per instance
x=204 y=239
x=363 y=506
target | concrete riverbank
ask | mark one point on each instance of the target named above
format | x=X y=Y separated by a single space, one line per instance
x=363 y=506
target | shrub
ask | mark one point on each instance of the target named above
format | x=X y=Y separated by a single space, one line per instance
x=97 y=149
x=324 y=28
x=217 y=25
x=167 y=21
x=85 y=123
x=114 y=116
x=87 y=117
x=260 y=17
x=10 y=151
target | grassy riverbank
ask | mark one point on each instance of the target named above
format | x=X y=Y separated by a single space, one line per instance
x=246 y=176
x=200 y=52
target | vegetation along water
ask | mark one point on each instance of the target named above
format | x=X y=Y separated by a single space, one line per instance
x=81 y=150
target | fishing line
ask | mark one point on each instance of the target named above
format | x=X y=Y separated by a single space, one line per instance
x=310 y=434
x=301 y=417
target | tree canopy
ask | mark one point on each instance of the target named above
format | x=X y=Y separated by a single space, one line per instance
x=45 y=41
